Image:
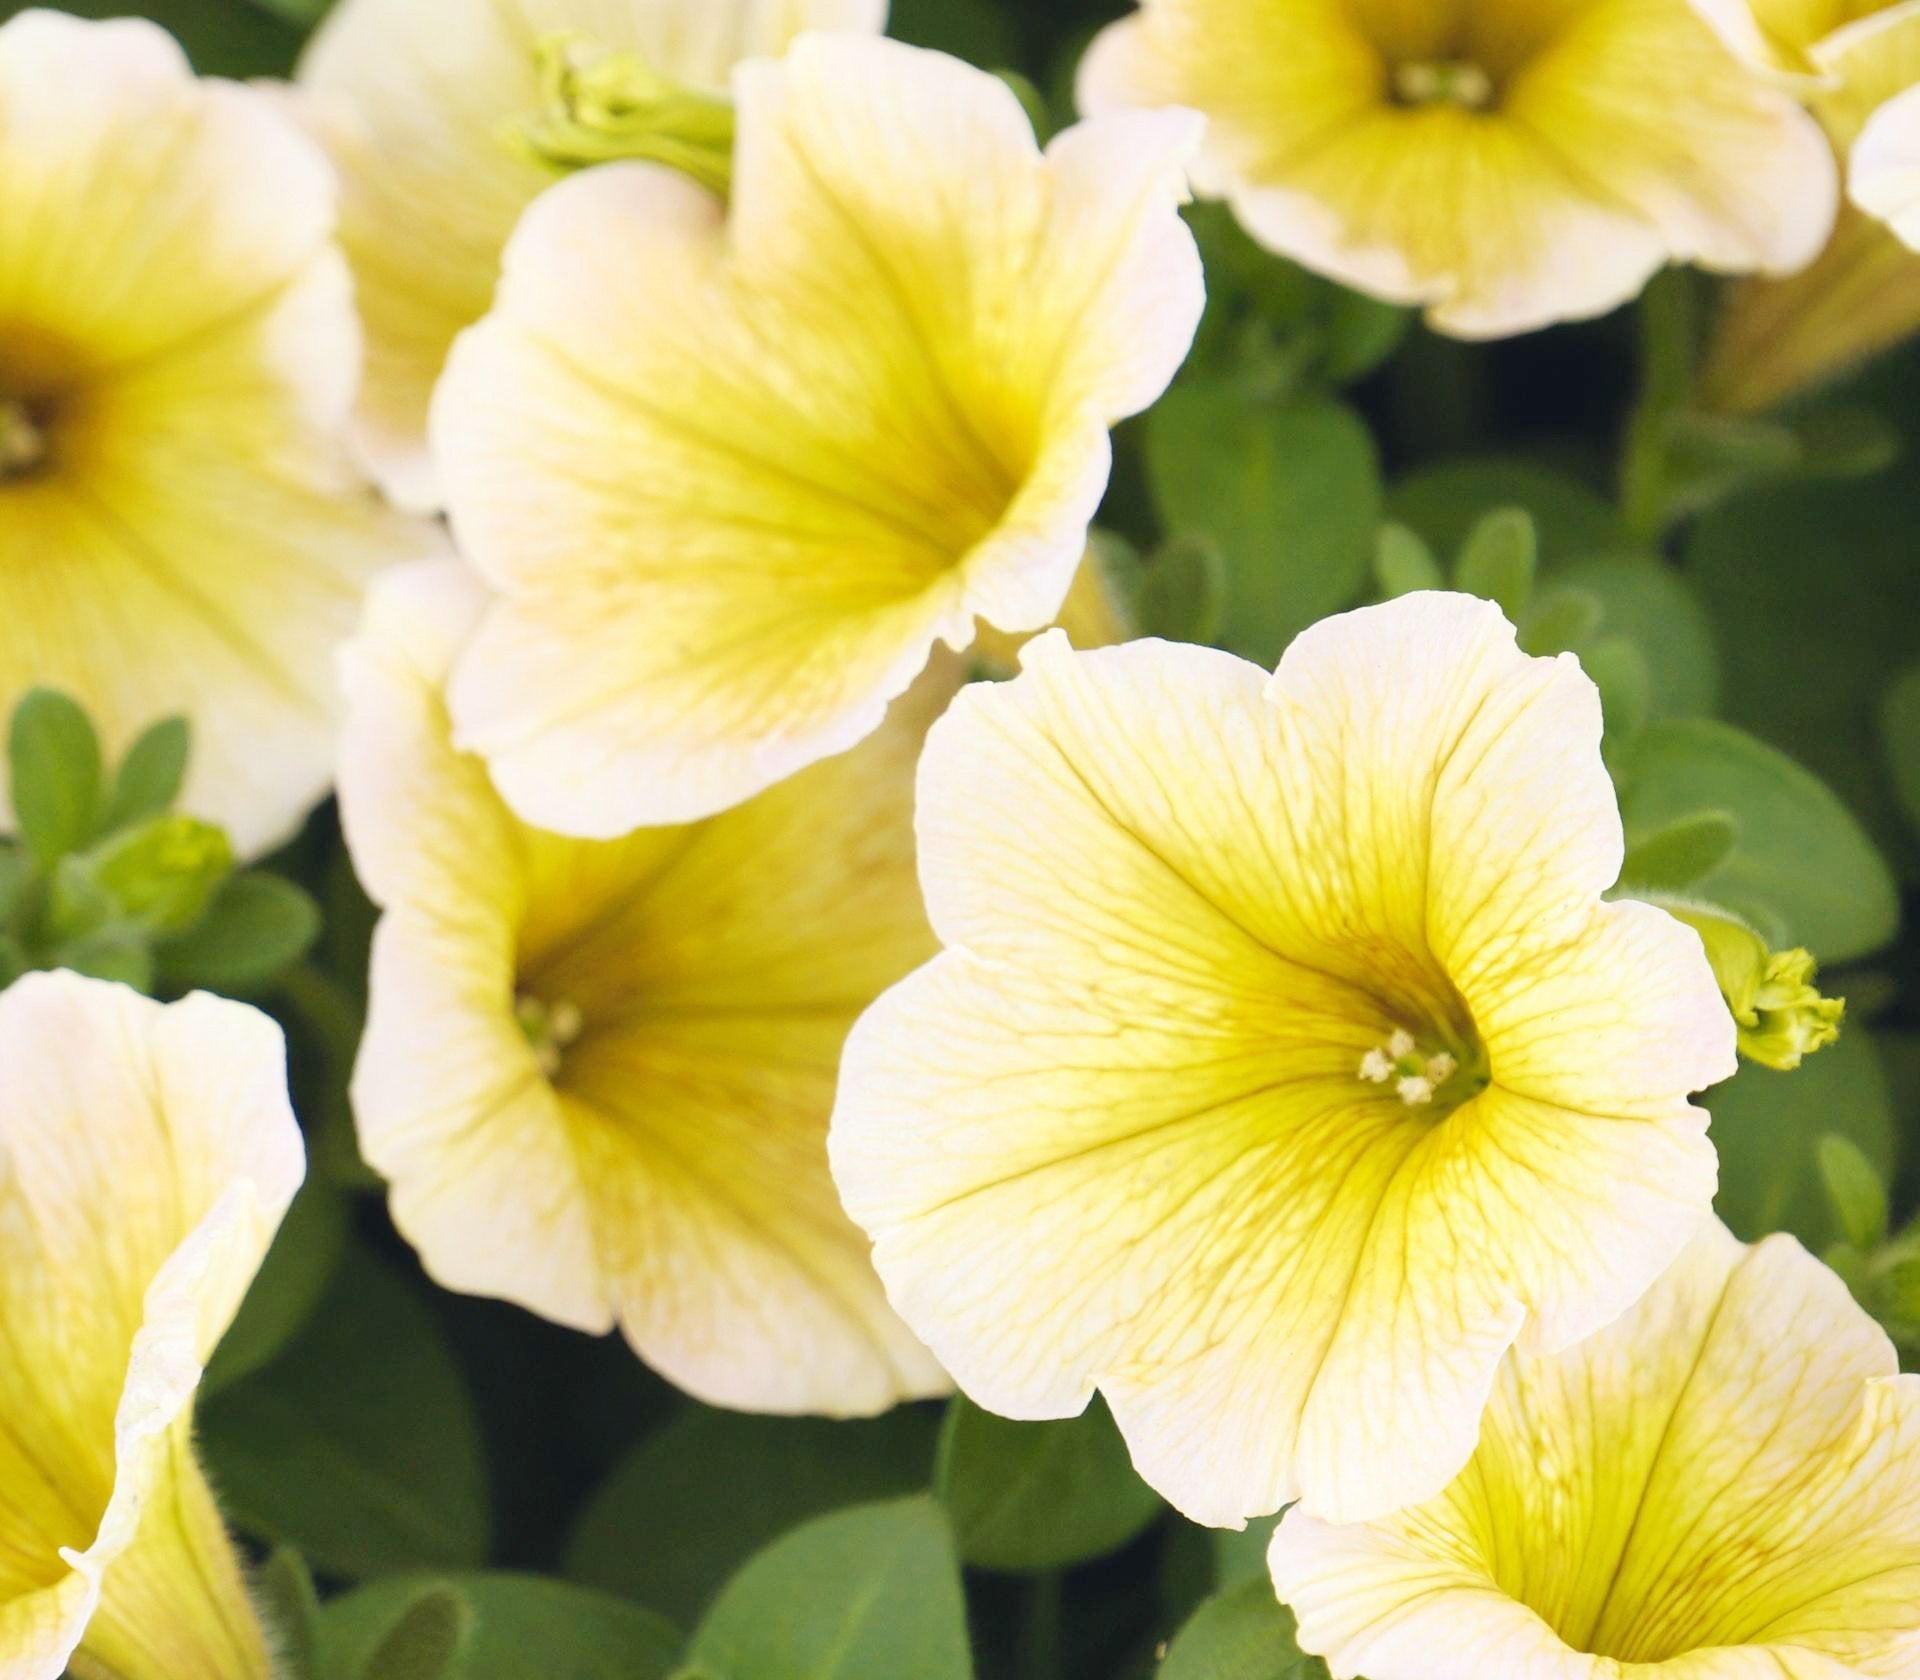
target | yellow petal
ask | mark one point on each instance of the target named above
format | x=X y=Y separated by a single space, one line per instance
x=1122 y=1132
x=415 y=99
x=1722 y=1485
x=178 y=327
x=736 y=475
x=1507 y=165
x=147 y=1154
x=598 y=1075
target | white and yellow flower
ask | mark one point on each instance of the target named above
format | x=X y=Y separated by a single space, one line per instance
x=735 y=473
x=419 y=102
x=598 y=1074
x=1504 y=165
x=1283 y=1067
x=147 y=1153
x=1722 y=1485
x=177 y=362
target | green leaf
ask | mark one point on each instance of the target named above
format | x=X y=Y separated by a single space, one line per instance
x=975 y=30
x=114 y=953
x=290 y=1609
x=1444 y=504
x=151 y=774
x=1289 y=494
x=1767 y=1127
x=1499 y=558
x=1657 y=610
x=223 y=37
x=1361 y=333
x=1620 y=671
x=1811 y=592
x=288 y=1287
x=1240 y=1554
x=257 y=926
x=519 y=1627
x=425 y=1642
x=1182 y=590
x=54 y=771
x=1802 y=871
x=1560 y=619
x=1241 y=1633
x=1900 y=735
x=1402 y=563
x=1037 y=1496
x=867 y=1594
x=1674 y=857
x=359 y=1443
x=685 y=1480
x=1856 y=1192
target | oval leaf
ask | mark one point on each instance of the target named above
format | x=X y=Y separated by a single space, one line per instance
x=1037 y=1496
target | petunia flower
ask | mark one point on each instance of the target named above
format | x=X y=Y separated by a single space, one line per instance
x=1857 y=66
x=178 y=354
x=420 y=101
x=1506 y=166
x=736 y=473
x=1284 y=1066
x=147 y=1153
x=1723 y=1485
x=598 y=1075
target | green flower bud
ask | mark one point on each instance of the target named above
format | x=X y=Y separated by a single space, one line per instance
x=599 y=107
x=162 y=873
x=1780 y=1013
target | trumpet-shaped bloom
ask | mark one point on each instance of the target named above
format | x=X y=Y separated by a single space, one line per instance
x=598 y=1075
x=736 y=473
x=1505 y=165
x=177 y=363
x=1723 y=1485
x=417 y=101
x=1863 y=293
x=1283 y=1066
x=147 y=1153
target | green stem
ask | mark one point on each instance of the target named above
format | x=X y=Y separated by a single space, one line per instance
x=1669 y=340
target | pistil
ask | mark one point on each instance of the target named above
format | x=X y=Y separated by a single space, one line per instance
x=1443 y=82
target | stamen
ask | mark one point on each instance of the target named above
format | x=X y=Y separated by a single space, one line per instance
x=1415 y=1091
x=1441 y=1068
x=1400 y=1044
x=23 y=445
x=1376 y=1066
x=551 y=1028
x=1419 y=1074
x=1443 y=82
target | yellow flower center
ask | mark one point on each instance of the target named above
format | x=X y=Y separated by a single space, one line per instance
x=1443 y=82
x=551 y=1028
x=1424 y=1074
x=23 y=438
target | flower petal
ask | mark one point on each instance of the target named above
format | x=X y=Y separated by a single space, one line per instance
x=413 y=99
x=954 y=323
x=147 y=1154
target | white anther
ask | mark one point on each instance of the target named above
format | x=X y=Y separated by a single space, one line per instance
x=1376 y=1066
x=1400 y=1045
x=1415 y=1092
x=1441 y=1068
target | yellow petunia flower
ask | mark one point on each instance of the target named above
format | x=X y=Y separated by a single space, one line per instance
x=147 y=1153
x=736 y=473
x=1723 y=1485
x=1284 y=1066
x=1507 y=165
x=598 y=1075
x=177 y=363
x=1858 y=67
x=420 y=101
